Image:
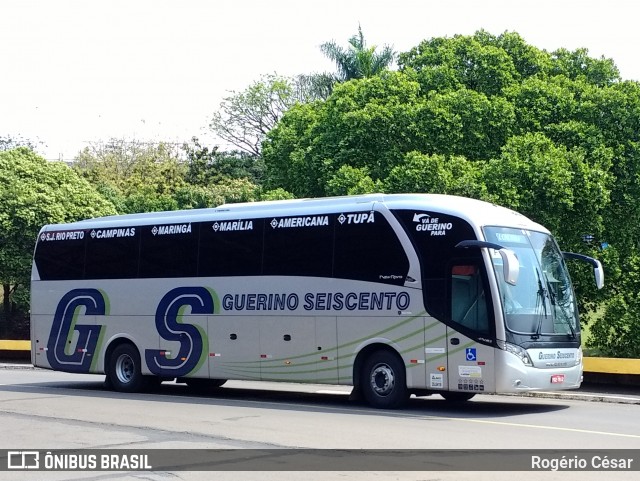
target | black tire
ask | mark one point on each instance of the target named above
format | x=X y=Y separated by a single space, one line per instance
x=123 y=371
x=456 y=396
x=383 y=381
x=204 y=385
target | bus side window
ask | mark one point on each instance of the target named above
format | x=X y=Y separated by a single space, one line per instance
x=113 y=257
x=60 y=259
x=173 y=255
x=230 y=248
x=468 y=301
x=299 y=247
x=369 y=250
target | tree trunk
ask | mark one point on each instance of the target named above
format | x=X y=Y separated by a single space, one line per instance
x=5 y=315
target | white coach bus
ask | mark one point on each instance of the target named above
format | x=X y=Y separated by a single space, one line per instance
x=392 y=294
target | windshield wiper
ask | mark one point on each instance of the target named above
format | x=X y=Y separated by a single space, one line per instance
x=542 y=293
x=554 y=301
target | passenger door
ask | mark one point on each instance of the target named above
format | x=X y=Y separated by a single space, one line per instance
x=470 y=354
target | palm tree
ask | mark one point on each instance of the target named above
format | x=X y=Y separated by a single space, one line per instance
x=358 y=60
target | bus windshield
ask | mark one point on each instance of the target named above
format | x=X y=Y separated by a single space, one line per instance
x=542 y=303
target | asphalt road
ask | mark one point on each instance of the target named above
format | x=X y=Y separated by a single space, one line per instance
x=47 y=410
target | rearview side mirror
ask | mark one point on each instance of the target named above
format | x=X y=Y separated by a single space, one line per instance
x=510 y=263
x=598 y=271
x=510 y=266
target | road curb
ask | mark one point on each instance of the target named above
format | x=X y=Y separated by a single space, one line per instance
x=586 y=396
x=17 y=366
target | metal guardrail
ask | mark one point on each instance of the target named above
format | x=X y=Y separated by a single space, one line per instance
x=15 y=345
x=609 y=365
x=15 y=350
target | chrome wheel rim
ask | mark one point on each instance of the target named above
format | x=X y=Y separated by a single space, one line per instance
x=382 y=380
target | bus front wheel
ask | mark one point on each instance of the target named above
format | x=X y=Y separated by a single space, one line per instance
x=124 y=373
x=383 y=381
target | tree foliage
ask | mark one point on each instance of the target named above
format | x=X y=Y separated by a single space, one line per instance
x=142 y=177
x=244 y=118
x=34 y=192
x=208 y=165
x=358 y=60
x=437 y=174
x=10 y=142
x=131 y=166
x=554 y=135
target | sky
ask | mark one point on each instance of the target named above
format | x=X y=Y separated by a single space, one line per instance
x=75 y=72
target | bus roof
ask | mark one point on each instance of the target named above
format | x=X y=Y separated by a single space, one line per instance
x=474 y=211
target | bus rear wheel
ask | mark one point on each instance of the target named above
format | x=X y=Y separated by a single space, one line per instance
x=123 y=372
x=383 y=381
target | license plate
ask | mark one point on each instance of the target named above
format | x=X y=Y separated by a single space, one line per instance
x=557 y=378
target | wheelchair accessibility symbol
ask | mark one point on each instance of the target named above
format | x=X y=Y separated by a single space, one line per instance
x=471 y=354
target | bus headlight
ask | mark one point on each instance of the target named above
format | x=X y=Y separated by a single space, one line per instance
x=517 y=350
x=579 y=357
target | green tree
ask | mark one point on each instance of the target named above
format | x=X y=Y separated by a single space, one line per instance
x=144 y=177
x=285 y=153
x=244 y=118
x=437 y=174
x=215 y=177
x=614 y=111
x=316 y=86
x=538 y=178
x=276 y=194
x=352 y=181
x=365 y=123
x=554 y=135
x=617 y=332
x=209 y=165
x=34 y=192
x=464 y=122
x=475 y=62
x=579 y=65
x=135 y=176
x=357 y=60
x=132 y=166
x=10 y=142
